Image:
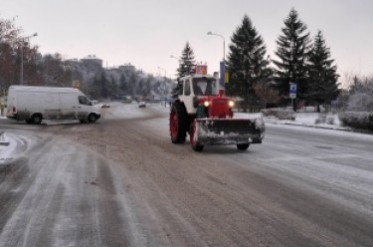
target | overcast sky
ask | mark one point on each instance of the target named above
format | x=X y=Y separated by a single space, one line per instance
x=146 y=32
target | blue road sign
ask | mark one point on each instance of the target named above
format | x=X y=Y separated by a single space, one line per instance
x=293 y=90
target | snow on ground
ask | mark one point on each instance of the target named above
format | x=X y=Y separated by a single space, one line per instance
x=119 y=110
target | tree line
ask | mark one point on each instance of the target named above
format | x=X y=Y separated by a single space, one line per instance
x=261 y=81
x=255 y=77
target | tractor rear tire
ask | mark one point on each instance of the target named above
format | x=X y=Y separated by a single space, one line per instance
x=243 y=146
x=193 y=139
x=178 y=123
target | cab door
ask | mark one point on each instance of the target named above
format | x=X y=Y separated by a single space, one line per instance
x=187 y=96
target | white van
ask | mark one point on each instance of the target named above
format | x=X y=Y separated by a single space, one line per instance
x=35 y=103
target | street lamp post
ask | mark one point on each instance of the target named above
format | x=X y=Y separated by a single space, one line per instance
x=164 y=85
x=222 y=64
x=172 y=56
x=165 y=72
x=221 y=36
x=22 y=43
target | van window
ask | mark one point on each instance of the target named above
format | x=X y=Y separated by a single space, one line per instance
x=84 y=101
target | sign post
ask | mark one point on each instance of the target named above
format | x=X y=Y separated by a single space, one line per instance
x=293 y=87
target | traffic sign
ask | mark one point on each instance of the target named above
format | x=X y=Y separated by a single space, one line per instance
x=293 y=90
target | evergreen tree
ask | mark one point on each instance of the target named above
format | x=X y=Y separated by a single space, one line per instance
x=246 y=63
x=292 y=51
x=187 y=62
x=323 y=86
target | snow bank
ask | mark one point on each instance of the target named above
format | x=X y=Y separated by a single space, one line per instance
x=359 y=120
x=8 y=147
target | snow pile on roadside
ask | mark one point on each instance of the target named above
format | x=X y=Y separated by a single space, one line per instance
x=7 y=148
x=314 y=120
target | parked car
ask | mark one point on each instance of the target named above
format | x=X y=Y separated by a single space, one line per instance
x=142 y=104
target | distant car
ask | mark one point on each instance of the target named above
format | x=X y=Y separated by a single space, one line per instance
x=105 y=105
x=142 y=104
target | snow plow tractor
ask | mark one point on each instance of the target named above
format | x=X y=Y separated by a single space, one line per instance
x=201 y=109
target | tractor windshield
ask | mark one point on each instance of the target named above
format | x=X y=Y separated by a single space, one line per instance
x=204 y=86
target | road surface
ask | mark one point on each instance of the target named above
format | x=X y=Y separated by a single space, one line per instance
x=121 y=182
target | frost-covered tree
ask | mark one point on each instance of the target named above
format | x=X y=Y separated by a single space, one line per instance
x=293 y=47
x=323 y=86
x=246 y=63
x=186 y=62
x=54 y=72
x=361 y=94
x=12 y=45
x=123 y=84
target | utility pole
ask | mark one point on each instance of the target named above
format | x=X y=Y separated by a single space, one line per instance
x=222 y=63
x=22 y=40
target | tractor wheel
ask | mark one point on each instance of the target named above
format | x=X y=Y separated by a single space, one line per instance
x=36 y=118
x=243 y=146
x=178 y=123
x=193 y=138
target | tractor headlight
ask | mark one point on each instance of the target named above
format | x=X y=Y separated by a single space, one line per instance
x=206 y=103
x=231 y=103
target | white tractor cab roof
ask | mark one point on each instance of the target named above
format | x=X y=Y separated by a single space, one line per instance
x=201 y=85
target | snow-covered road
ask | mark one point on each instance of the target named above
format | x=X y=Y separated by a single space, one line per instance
x=121 y=182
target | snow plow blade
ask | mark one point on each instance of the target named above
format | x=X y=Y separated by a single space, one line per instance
x=229 y=131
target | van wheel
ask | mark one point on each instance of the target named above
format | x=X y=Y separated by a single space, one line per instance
x=92 y=118
x=243 y=146
x=36 y=118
